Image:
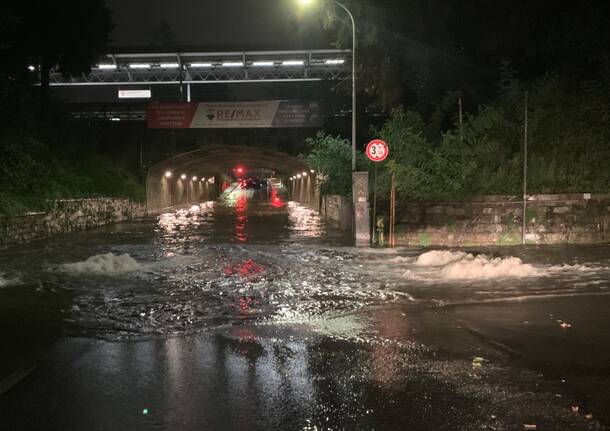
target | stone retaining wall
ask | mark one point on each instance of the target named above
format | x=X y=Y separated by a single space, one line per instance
x=497 y=220
x=338 y=211
x=66 y=216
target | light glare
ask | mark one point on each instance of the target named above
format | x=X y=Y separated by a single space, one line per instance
x=168 y=174
x=263 y=63
x=201 y=65
x=293 y=63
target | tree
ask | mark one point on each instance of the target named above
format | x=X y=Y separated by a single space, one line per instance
x=164 y=37
x=69 y=35
x=413 y=52
x=331 y=157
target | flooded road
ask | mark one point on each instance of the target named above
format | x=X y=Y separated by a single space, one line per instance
x=251 y=313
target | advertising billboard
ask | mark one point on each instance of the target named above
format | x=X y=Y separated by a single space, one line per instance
x=210 y=115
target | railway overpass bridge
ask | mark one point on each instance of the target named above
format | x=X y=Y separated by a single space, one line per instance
x=185 y=164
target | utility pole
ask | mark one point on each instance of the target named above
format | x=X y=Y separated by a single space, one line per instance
x=524 y=175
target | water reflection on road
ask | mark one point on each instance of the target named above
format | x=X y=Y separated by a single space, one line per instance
x=251 y=313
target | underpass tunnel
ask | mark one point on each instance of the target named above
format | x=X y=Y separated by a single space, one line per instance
x=195 y=176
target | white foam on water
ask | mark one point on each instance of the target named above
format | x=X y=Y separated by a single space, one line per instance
x=458 y=265
x=104 y=264
x=439 y=258
x=482 y=267
x=5 y=282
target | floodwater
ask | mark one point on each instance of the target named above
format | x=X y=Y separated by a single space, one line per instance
x=250 y=313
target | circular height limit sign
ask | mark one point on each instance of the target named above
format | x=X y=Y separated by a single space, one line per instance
x=377 y=150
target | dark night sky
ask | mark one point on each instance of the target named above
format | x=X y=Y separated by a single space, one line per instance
x=264 y=24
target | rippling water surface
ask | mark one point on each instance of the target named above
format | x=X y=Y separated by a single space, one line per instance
x=248 y=259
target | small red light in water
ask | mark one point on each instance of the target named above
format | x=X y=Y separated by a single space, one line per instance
x=276 y=201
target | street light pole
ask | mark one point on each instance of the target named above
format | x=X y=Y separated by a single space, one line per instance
x=351 y=17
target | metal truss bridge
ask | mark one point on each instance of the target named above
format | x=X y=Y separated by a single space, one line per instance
x=212 y=67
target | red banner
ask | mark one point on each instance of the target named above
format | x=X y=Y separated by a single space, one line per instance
x=170 y=115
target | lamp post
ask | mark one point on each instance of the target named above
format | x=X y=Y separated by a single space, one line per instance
x=351 y=17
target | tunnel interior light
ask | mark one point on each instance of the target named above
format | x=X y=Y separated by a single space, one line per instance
x=232 y=64
x=195 y=178
x=334 y=61
x=169 y=65
x=106 y=66
x=202 y=180
x=200 y=65
x=183 y=176
x=293 y=63
x=263 y=63
x=312 y=171
x=31 y=68
x=168 y=174
x=298 y=175
x=304 y=174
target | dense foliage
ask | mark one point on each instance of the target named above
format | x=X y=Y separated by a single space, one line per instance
x=331 y=157
x=413 y=51
x=34 y=172
x=569 y=145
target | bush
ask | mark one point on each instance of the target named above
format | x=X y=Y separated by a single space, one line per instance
x=33 y=173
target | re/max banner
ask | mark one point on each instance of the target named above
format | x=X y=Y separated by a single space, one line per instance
x=267 y=113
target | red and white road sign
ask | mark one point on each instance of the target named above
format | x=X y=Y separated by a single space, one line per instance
x=377 y=150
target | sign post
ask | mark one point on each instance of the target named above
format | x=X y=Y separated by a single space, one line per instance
x=377 y=151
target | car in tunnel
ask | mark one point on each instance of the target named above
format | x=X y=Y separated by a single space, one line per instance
x=252 y=184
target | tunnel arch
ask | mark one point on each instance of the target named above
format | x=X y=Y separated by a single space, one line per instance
x=164 y=192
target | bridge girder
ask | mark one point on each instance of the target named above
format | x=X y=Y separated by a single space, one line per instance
x=212 y=67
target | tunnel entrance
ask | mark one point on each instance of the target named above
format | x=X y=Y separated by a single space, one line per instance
x=195 y=176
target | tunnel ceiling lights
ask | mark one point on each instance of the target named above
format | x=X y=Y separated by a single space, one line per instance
x=183 y=176
x=168 y=174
